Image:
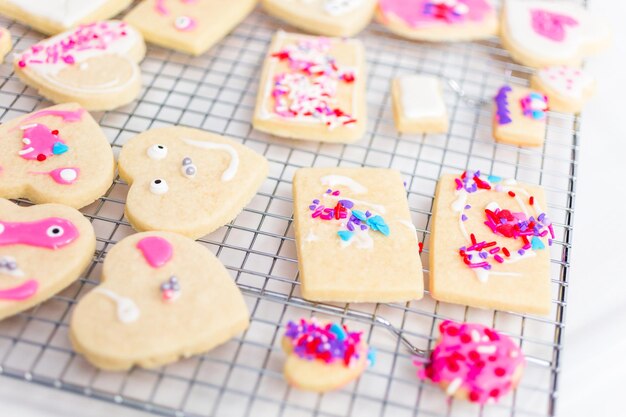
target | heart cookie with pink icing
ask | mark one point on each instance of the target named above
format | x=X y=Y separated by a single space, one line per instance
x=162 y=297
x=55 y=155
x=43 y=249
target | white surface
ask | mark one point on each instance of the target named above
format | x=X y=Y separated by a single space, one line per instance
x=593 y=364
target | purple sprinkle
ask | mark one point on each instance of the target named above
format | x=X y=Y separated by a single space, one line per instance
x=312 y=207
x=467 y=207
x=329 y=191
x=363 y=227
x=463 y=248
x=521 y=252
x=350 y=226
x=483 y=255
x=347 y=203
x=367 y=213
x=470 y=257
x=541 y=217
x=550 y=242
x=463 y=217
x=487 y=267
x=316 y=201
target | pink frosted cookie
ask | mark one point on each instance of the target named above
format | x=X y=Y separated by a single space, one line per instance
x=473 y=362
x=439 y=20
x=568 y=88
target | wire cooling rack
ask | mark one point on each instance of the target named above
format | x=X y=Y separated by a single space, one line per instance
x=216 y=92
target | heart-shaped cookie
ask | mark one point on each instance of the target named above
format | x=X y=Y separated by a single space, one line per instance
x=94 y=65
x=5 y=43
x=188 y=181
x=43 y=249
x=55 y=155
x=162 y=297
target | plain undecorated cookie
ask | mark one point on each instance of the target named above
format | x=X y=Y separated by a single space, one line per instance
x=5 y=43
x=43 y=249
x=567 y=88
x=520 y=116
x=418 y=105
x=162 y=297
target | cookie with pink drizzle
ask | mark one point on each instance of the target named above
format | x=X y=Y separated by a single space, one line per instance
x=473 y=362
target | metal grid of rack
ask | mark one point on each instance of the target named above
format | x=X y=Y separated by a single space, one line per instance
x=216 y=92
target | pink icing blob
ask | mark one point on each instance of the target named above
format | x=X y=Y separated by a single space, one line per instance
x=551 y=25
x=50 y=233
x=39 y=140
x=475 y=358
x=155 y=250
x=420 y=13
x=67 y=116
x=21 y=292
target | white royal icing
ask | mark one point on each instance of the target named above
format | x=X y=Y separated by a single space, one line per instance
x=127 y=310
x=67 y=13
x=420 y=97
x=335 y=180
x=567 y=81
x=341 y=7
x=231 y=171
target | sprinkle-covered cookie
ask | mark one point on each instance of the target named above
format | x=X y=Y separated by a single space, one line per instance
x=520 y=116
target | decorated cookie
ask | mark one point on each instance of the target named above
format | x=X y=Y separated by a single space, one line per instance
x=162 y=297
x=354 y=236
x=94 y=65
x=490 y=244
x=520 y=116
x=541 y=33
x=43 y=249
x=324 y=17
x=439 y=20
x=54 y=16
x=5 y=43
x=191 y=26
x=188 y=181
x=473 y=362
x=418 y=105
x=568 y=88
x=322 y=357
x=55 y=155
x=313 y=88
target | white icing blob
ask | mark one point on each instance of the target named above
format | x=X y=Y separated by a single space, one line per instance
x=68 y=174
x=420 y=97
x=335 y=180
x=64 y=12
x=127 y=310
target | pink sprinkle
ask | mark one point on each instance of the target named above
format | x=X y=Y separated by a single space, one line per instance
x=494 y=250
x=498 y=258
x=459 y=184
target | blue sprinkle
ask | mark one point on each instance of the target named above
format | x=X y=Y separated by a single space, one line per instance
x=371 y=357
x=536 y=243
x=338 y=331
x=378 y=223
x=494 y=178
x=359 y=215
x=59 y=148
x=345 y=235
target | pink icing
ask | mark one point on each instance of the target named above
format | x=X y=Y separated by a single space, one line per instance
x=21 y=292
x=159 y=6
x=63 y=176
x=551 y=25
x=155 y=250
x=50 y=233
x=38 y=142
x=67 y=116
x=474 y=358
x=420 y=13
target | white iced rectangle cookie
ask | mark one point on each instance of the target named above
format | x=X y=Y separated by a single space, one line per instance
x=490 y=244
x=568 y=88
x=313 y=88
x=354 y=236
x=418 y=105
x=520 y=116
x=324 y=17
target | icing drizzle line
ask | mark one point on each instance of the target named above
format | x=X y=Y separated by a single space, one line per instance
x=127 y=310
x=231 y=171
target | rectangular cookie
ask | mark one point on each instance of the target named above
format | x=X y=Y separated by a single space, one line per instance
x=490 y=244
x=418 y=105
x=354 y=236
x=313 y=88
x=520 y=116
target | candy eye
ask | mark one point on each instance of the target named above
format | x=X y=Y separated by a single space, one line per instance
x=55 y=231
x=188 y=168
x=158 y=186
x=184 y=23
x=157 y=152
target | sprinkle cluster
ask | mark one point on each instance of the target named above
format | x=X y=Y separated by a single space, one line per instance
x=170 y=289
x=535 y=105
x=503 y=114
x=448 y=10
x=39 y=142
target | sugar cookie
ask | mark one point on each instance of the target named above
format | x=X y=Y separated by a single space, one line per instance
x=43 y=249
x=541 y=33
x=354 y=236
x=5 y=43
x=473 y=362
x=55 y=155
x=567 y=88
x=439 y=20
x=520 y=116
x=162 y=297
x=418 y=105
x=324 y=17
x=54 y=16
x=322 y=357
x=191 y=26
x=188 y=181
x=313 y=88
x=490 y=244
x=94 y=65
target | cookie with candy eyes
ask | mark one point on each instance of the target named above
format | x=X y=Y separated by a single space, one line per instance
x=95 y=65
x=568 y=88
x=55 y=155
x=541 y=33
x=191 y=26
x=324 y=17
x=43 y=249
x=162 y=297
x=188 y=181
x=5 y=43
x=322 y=357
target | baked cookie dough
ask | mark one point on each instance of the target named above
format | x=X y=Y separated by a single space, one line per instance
x=439 y=20
x=541 y=33
x=354 y=236
x=490 y=244
x=418 y=105
x=567 y=88
x=188 y=181
x=43 y=249
x=55 y=16
x=188 y=26
x=94 y=65
x=55 y=155
x=313 y=88
x=324 y=17
x=520 y=116
x=322 y=357
x=5 y=43
x=162 y=297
